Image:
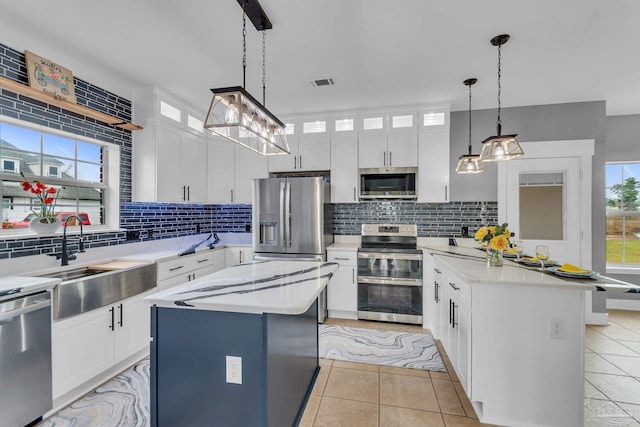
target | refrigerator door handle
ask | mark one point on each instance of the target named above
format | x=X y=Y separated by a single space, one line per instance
x=287 y=208
x=281 y=222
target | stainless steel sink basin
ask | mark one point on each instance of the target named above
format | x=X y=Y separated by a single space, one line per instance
x=86 y=288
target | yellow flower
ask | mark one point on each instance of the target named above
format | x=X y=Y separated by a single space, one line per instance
x=482 y=231
x=507 y=233
x=499 y=243
x=492 y=230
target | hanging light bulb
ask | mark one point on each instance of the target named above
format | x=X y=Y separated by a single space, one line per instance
x=470 y=163
x=500 y=147
x=237 y=116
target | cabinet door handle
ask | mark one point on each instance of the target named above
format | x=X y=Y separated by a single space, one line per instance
x=437 y=271
x=342 y=259
x=188 y=192
x=390 y=161
x=354 y=194
x=240 y=256
x=120 y=323
x=453 y=285
x=295 y=162
x=300 y=162
x=193 y=276
x=203 y=260
x=446 y=193
x=176 y=268
x=453 y=313
x=112 y=326
x=184 y=192
x=384 y=158
x=435 y=293
x=231 y=196
x=353 y=276
x=450 y=312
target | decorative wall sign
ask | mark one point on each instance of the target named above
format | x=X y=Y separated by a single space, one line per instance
x=49 y=77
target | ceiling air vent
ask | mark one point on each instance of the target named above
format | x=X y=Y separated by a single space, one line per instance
x=322 y=82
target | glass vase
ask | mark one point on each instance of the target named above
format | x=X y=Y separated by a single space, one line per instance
x=494 y=257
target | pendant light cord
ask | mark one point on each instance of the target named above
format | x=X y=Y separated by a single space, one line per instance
x=244 y=44
x=469 y=119
x=264 y=67
x=499 y=122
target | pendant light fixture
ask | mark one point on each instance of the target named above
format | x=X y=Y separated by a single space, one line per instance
x=469 y=163
x=236 y=115
x=500 y=147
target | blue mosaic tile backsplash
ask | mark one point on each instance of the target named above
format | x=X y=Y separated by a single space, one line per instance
x=166 y=220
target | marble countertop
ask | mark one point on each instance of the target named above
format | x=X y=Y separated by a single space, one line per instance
x=470 y=264
x=279 y=287
x=344 y=246
x=13 y=286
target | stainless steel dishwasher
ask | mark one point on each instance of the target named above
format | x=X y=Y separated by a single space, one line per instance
x=25 y=359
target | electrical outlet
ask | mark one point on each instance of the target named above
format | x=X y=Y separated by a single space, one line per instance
x=556 y=328
x=234 y=369
x=465 y=231
x=149 y=234
x=133 y=235
x=198 y=228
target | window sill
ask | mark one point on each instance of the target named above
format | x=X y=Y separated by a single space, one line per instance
x=623 y=270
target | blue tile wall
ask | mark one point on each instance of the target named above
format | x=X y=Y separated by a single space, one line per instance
x=433 y=219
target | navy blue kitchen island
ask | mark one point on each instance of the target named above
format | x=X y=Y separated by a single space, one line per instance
x=264 y=312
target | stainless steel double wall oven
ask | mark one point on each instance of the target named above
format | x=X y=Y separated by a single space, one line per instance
x=390 y=273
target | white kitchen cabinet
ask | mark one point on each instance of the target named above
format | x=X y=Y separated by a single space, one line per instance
x=388 y=140
x=189 y=267
x=433 y=167
x=231 y=170
x=310 y=145
x=238 y=255
x=86 y=345
x=344 y=160
x=169 y=154
x=342 y=289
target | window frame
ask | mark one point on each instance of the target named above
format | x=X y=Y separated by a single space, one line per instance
x=611 y=267
x=110 y=184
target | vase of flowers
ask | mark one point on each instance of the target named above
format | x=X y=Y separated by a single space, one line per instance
x=45 y=221
x=496 y=238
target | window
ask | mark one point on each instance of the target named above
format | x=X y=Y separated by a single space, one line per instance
x=623 y=214
x=76 y=167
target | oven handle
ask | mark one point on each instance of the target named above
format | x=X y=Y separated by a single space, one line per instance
x=410 y=257
x=389 y=281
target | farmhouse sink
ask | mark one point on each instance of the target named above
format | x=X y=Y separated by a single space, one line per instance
x=89 y=287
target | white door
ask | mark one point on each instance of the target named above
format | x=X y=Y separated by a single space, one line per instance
x=220 y=171
x=344 y=169
x=433 y=167
x=543 y=206
x=193 y=166
x=169 y=180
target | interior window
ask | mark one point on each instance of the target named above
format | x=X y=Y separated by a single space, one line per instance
x=623 y=214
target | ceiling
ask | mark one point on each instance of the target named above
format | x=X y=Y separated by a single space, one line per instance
x=379 y=52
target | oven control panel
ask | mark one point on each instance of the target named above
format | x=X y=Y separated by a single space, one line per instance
x=389 y=230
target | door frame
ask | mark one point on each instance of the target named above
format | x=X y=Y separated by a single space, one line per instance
x=580 y=148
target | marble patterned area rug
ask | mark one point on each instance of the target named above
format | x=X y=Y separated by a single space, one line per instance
x=402 y=349
x=122 y=401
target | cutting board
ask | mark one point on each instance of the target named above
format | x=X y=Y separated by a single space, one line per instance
x=116 y=265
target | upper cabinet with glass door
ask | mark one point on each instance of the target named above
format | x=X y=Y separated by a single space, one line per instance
x=310 y=145
x=388 y=139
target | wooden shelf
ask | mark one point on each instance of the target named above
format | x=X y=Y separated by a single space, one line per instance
x=27 y=91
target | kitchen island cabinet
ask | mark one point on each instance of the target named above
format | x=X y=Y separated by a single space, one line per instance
x=514 y=336
x=239 y=346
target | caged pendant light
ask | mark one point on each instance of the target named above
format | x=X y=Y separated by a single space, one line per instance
x=470 y=163
x=236 y=115
x=500 y=147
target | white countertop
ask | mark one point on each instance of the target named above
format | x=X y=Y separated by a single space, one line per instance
x=279 y=287
x=344 y=246
x=470 y=264
x=12 y=286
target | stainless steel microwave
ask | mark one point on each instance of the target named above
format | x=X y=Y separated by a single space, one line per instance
x=388 y=183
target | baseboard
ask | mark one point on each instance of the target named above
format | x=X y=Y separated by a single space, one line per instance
x=623 y=304
x=597 y=318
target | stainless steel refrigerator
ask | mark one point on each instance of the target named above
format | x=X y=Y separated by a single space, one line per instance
x=293 y=219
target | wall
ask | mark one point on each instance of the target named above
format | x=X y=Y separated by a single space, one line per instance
x=582 y=120
x=433 y=219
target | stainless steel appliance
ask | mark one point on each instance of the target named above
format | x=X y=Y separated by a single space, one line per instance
x=388 y=183
x=25 y=359
x=293 y=219
x=390 y=273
